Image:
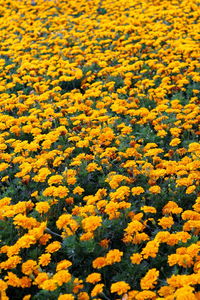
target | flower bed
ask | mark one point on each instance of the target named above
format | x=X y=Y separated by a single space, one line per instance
x=99 y=170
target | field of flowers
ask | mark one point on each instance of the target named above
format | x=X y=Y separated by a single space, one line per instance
x=100 y=159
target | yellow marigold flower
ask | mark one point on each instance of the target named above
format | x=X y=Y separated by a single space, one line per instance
x=171 y=207
x=175 y=131
x=174 y=142
x=49 y=285
x=78 y=190
x=149 y=209
x=136 y=258
x=91 y=223
x=42 y=207
x=12 y=279
x=185 y=293
x=151 y=249
x=166 y=291
x=25 y=282
x=166 y=222
x=55 y=179
x=190 y=189
x=155 y=189
x=66 y=297
x=25 y=222
x=62 y=276
x=194 y=147
x=149 y=280
x=83 y=296
x=93 y=278
x=137 y=190
x=162 y=236
x=3 y=166
x=87 y=236
x=98 y=289
x=120 y=287
x=113 y=256
x=104 y=243
x=11 y=262
x=120 y=194
x=53 y=247
x=99 y=263
x=27 y=297
x=44 y=259
x=133 y=227
x=63 y=264
x=3 y=285
x=145 y=295
x=91 y=167
x=29 y=267
x=41 y=277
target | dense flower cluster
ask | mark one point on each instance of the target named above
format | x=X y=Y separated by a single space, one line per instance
x=99 y=163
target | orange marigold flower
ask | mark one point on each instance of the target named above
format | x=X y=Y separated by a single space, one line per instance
x=113 y=256
x=42 y=207
x=29 y=267
x=66 y=297
x=93 y=278
x=104 y=243
x=98 y=289
x=171 y=207
x=166 y=222
x=63 y=264
x=149 y=209
x=62 y=276
x=99 y=262
x=151 y=249
x=145 y=295
x=120 y=287
x=44 y=259
x=137 y=190
x=190 y=189
x=41 y=277
x=155 y=189
x=78 y=190
x=53 y=247
x=91 y=223
x=136 y=258
x=91 y=167
x=83 y=296
x=149 y=280
x=49 y=285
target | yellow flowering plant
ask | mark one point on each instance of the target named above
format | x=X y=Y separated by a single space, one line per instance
x=99 y=149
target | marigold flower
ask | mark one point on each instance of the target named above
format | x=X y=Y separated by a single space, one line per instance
x=145 y=295
x=150 y=279
x=49 y=285
x=83 y=296
x=66 y=297
x=166 y=222
x=120 y=287
x=93 y=278
x=113 y=256
x=62 y=276
x=44 y=259
x=91 y=223
x=137 y=190
x=136 y=258
x=99 y=263
x=98 y=289
x=155 y=189
x=63 y=264
x=42 y=207
x=53 y=247
x=29 y=267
